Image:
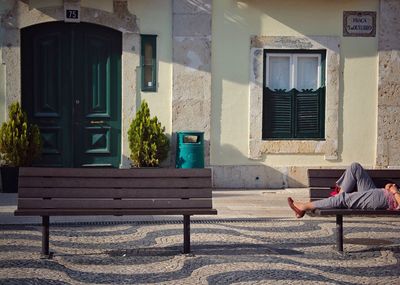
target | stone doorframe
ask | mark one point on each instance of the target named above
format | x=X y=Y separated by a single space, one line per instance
x=21 y=16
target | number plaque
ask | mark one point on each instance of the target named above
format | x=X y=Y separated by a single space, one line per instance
x=72 y=14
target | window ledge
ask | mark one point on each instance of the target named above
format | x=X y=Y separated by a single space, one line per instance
x=327 y=147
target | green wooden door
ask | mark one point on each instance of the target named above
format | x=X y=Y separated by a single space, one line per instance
x=71 y=88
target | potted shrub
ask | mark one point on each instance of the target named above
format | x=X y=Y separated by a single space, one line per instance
x=20 y=144
x=148 y=143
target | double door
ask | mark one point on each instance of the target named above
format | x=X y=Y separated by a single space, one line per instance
x=71 y=88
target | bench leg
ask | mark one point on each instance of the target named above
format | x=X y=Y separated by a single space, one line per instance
x=339 y=233
x=45 y=238
x=186 y=233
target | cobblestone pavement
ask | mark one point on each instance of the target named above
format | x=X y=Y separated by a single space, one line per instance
x=250 y=250
x=254 y=239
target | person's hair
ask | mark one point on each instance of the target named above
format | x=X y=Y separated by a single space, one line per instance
x=386 y=181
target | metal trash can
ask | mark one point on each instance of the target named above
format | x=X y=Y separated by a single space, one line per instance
x=189 y=149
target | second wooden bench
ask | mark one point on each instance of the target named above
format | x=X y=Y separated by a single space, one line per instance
x=321 y=183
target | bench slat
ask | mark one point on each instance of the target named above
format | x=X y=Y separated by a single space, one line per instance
x=322 y=182
x=330 y=182
x=320 y=192
x=114 y=193
x=355 y=212
x=382 y=181
x=33 y=203
x=109 y=172
x=374 y=173
x=384 y=173
x=114 y=212
x=67 y=182
x=325 y=173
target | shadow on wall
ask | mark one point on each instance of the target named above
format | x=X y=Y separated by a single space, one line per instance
x=239 y=175
x=255 y=175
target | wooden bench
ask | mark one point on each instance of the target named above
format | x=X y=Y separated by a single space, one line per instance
x=321 y=182
x=49 y=192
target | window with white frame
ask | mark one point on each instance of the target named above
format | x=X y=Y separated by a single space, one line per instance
x=294 y=94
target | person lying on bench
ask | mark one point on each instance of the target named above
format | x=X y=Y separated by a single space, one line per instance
x=368 y=196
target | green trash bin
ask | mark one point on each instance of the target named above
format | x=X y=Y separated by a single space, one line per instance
x=190 y=149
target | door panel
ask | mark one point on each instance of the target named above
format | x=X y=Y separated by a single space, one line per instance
x=97 y=140
x=97 y=76
x=97 y=114
x=71 y=88
x=44 y=91
x=47 y=79
x=52 y=140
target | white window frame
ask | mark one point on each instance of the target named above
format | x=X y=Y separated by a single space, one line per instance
x=293 y=59
x=267 y=71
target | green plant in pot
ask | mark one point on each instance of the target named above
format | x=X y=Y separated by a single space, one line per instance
x=148 y=142
x=20 y=145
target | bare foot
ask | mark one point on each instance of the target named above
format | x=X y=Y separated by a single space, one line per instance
x=298 y=212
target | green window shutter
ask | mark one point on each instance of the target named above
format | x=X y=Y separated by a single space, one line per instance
x=309 y=110
x=148 y=62
x=293 y=114
x=277 y=114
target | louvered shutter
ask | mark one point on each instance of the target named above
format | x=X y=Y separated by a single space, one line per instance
x=277 y=114
x=309 y=110
x=294 y=114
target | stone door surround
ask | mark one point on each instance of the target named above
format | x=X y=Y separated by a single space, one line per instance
x=21 y=15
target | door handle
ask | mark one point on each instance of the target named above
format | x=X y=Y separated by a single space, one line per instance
x=97 y=122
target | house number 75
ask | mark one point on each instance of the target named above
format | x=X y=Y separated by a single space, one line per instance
x=72 y=14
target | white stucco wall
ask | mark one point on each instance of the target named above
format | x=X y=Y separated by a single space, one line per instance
x=155 y=18
x=233 y=24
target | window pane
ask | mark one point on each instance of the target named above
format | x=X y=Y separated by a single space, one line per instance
x=148 y=53
x=279 y=72
x=148 y=76
x=148 y=62
x=307 y=73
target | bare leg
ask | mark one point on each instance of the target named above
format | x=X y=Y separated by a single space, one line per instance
x=304 y=206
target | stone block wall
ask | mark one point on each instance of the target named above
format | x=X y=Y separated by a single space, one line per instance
x=388 y=128
x=191 y=91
